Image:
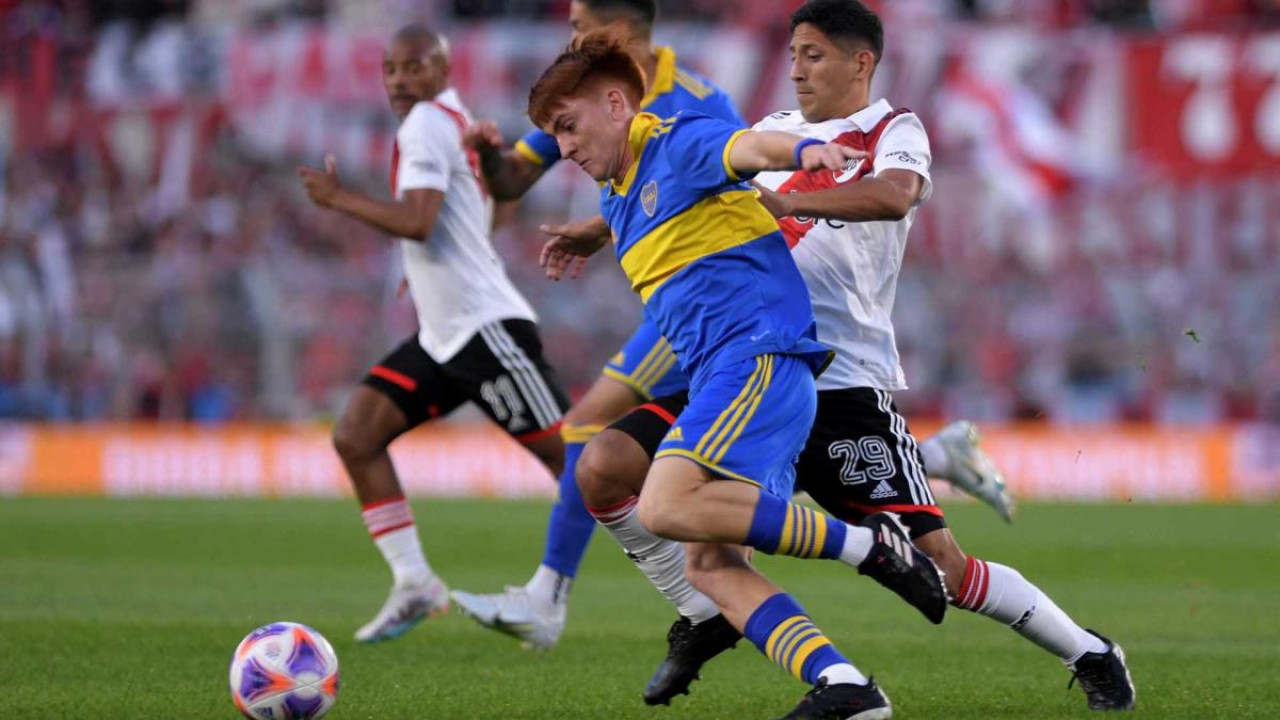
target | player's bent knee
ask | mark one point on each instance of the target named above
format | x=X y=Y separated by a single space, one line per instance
x=611 y=468
x=367 y=426
x=354 y=444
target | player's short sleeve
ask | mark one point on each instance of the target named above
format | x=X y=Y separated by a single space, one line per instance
x=905 y=146
x=430 y=143
x=539 y=148
x=698 y=147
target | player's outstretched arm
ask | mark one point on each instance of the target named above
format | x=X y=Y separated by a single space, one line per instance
x=507 y=174
x=888 y=196
x=413 y=217
x=755 y=151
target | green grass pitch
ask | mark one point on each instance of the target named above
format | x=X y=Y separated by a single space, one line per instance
x=131 y=608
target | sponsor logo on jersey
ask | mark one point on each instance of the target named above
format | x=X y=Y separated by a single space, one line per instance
x=903 y=157
x=649 y=197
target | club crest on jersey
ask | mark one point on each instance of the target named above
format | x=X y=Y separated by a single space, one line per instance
x=649 y=197
x=851 y=168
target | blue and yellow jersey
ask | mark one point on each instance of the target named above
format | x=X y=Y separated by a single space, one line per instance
x=706 y=257
x=673 y=89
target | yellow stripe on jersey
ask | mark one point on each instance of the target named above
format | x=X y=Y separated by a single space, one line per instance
x=528 y=153
x=710 y=226
x=743 y=396
x=693 y=85
x=718 y=454
x=664 y=76
x=728 y=169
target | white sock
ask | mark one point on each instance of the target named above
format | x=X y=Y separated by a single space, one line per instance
x=662 y=561
x=391 y=525
x=936 y=462
x=403 y=552
x=1001 y=593
x=858 y=542
x=549 y=586
x=842 y=674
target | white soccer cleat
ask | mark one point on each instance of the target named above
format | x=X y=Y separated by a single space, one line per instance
x=972 y=470
x=407 y=606
x=537 y=624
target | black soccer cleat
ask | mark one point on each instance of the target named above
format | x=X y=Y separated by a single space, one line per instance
x=900 y=566
x=842 y=702
x=1104 y=677
x=689 y=646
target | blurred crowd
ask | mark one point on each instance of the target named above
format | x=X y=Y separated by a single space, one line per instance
x=243 y=302
x=1104 y=297
x=1162 y=14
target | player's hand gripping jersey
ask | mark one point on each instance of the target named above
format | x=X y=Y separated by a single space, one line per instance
x=457 y=282
x=851 y=269
x=705 y=256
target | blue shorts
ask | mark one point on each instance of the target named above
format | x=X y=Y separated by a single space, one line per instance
x=647 y=365
x=749 y=422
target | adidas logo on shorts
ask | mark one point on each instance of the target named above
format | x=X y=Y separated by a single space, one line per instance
x=883 y=490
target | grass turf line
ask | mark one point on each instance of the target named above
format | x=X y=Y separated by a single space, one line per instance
x=131 y=608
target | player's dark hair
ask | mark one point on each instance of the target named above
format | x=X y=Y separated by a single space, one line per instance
x=844 y=21
x=646 y=11
x=600 y=54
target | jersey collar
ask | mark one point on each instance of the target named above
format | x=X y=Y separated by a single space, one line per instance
x=641 y=130
x=868 y=117
x=664 y=76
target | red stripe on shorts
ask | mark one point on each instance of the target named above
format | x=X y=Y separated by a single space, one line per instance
x=872 y=509
x=394 y=377
x=536 y=435
x=659 y=411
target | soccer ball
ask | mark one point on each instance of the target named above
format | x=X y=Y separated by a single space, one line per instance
x=284 y=671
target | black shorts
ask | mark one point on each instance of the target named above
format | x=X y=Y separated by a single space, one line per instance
x=860 y=457
x=501 y=369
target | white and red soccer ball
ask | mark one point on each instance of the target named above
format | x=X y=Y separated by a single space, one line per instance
x=284 y=671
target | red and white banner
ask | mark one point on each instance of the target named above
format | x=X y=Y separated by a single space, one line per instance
x=1121 y=463
x=1206 y=104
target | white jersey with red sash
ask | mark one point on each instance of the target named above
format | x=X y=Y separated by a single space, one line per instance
x=457 y=281
x=852 y=269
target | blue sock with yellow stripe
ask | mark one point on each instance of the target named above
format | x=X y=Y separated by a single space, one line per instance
x=779 y=527
x=570 y=526
x=785 y=634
